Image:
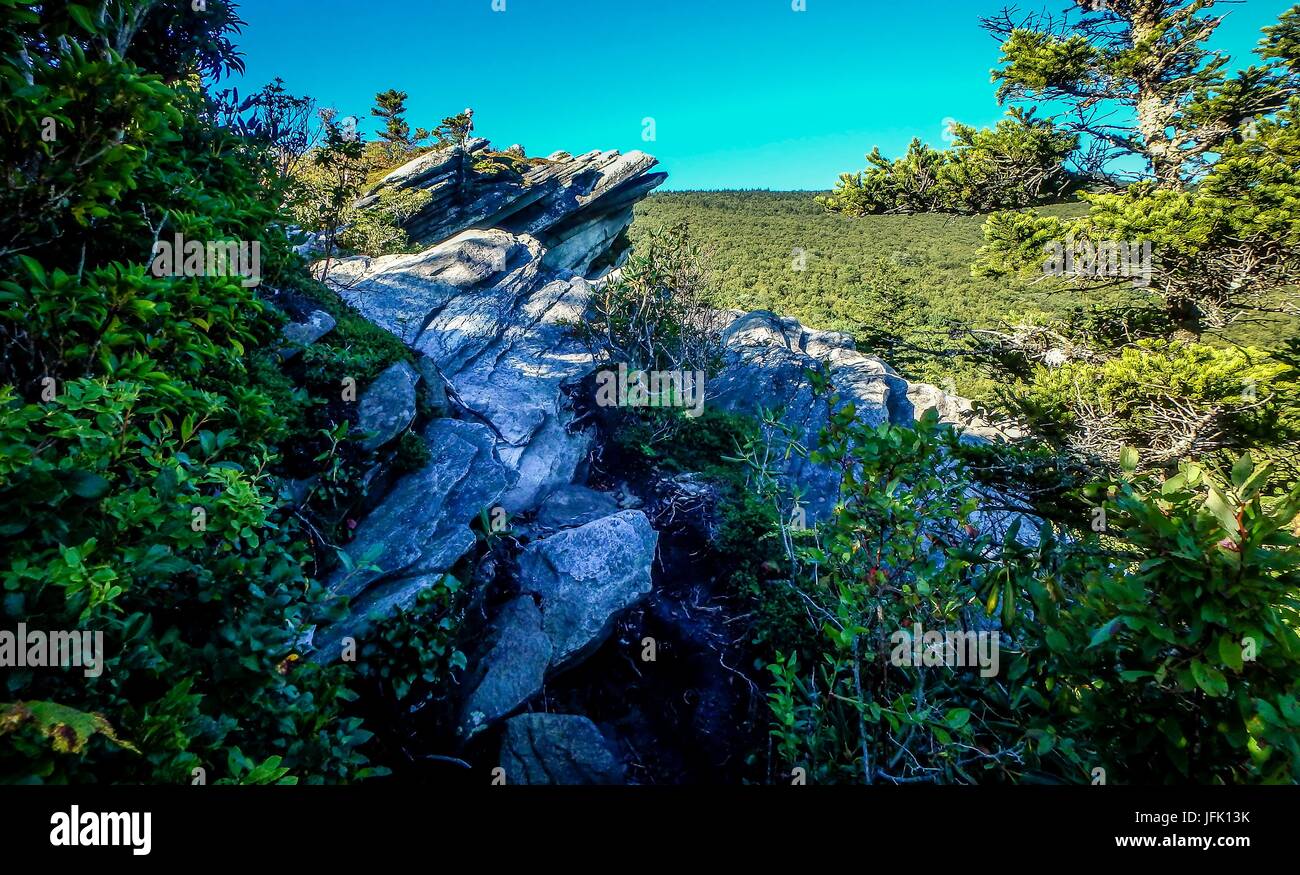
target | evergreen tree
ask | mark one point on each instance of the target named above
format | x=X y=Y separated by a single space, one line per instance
x=396 y=135
x=1018 y=163
x=1139 y=78
x=1217 y=209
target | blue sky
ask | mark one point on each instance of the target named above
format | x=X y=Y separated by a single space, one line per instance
x=743 y=93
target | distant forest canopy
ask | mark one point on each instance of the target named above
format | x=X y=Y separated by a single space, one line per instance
x=900 y=284
x=1185 y=275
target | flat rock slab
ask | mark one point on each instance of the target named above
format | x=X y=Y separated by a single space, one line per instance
x=574 y=505
x=301 y=334
x=486 y=316
x=511 y=669
x=387 y=405
x=557 y=749
x=421 y=528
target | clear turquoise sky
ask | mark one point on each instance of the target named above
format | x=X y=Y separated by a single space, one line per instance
x=744 y=93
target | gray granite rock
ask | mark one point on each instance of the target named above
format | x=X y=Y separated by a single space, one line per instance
x=511 y=668
x=574 y=505
x=300 y=334
x=491 y=322
x=421 y=528
x=557 y=749
x=585 y=577
x=387 y=405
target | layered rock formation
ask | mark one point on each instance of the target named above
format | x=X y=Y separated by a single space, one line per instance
x=486 y=307
x=574 y=206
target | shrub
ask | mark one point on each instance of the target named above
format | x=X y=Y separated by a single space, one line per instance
x=377 y=230
x=136 y=432
x=654 y=315
x=1155 y=640
x=1173 y=400
x=894 y=556
x=1168 y=651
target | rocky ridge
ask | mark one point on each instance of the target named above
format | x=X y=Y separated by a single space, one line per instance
x=485 y=307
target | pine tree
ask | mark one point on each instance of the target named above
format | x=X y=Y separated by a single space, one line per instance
x=1139 y=78
x=396 y=135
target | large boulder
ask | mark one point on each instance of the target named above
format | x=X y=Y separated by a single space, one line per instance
x=574 y=505
x=585 y=577
x=767 y=360
x=576 y=205
x=302 y=334
x=403 y=293
x=557 y=749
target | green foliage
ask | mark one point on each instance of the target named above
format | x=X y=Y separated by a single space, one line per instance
x=67 y=730
x=1221 y=250
x=453 y=130
x=1015 y=164
x=893 y=556
x=1162 y=648
x=274 y=119
x=900 y=284
x=1140 y=79
x=327 y=189
x=135 y=439
x=676 y=443
x=413 y=655
x=377 y=230
x=1170 y=399
x=390 y=106
x=492 y=163
x=1171 y=653
x=412 y=453
x=654 y=316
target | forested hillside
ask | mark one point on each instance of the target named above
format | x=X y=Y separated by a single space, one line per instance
x=901 y=284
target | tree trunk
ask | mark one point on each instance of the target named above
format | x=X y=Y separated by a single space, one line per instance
x=1154 y=112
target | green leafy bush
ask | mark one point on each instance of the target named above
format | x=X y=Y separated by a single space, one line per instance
x=655 y=316
x=135 y=436
x=1173 y=400
x=1153 y=640
x=894 y=556
x=1169 y=651
x=377 y=230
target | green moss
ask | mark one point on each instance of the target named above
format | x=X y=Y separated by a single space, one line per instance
x=412 y=453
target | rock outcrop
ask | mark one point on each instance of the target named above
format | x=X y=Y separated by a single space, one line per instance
x=574 y=506
x=419 y=530
x=303 y=334
x=387 y=406
x=585 y=577
x=491 y=319
x=767 y=362
x=510 y=669
x=575 y=206
x=487 y=307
